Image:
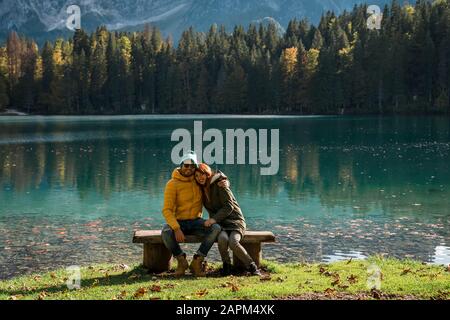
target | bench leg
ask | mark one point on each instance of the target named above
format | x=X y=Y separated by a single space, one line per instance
x=156 y=258
x=254 y=250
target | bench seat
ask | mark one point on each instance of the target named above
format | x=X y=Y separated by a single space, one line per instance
x=157 y=257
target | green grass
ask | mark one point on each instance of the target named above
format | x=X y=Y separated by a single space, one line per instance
x=400 y=279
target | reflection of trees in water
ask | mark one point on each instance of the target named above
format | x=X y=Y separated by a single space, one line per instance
x=387 y=163
x=355 y=177
x=84 y=166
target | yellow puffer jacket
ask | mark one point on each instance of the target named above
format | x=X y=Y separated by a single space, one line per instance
x=182 y=200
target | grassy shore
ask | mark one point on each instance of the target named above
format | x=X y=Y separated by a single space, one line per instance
x=352 y=279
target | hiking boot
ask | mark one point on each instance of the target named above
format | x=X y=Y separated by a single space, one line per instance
x=226 y=269
x=182 y=265
x=254 y=270
x=196 y=266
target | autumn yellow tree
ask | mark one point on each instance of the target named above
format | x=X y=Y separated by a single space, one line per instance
x=288 y=61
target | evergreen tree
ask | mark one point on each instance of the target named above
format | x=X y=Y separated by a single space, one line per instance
x=112 y=85
x=98 y=76
x=26 y=84
x=45 y=98
x=4 y=92
x=338 y=66
x=317 y=41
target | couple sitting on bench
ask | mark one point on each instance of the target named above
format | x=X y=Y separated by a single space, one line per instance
x=193 y=186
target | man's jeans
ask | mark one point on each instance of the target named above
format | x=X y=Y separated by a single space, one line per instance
x=191 y=227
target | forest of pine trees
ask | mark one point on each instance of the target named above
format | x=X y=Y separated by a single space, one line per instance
x=336 y=67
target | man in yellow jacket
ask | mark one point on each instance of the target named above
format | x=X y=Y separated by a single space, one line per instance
x=183 y=213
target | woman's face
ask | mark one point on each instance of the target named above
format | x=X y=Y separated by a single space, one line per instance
x=200 y=177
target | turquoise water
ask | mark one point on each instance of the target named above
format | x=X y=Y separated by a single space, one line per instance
x=73 y=189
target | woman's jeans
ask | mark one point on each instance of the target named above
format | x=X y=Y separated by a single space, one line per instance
x=232 y=239
x=191 y=227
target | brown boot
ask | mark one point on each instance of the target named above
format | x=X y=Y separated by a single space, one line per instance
x=182 y=265
x=196 y=266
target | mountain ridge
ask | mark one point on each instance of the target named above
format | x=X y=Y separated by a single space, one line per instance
x=44 y=20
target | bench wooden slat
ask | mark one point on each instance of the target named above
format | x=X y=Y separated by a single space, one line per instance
x=154 y=236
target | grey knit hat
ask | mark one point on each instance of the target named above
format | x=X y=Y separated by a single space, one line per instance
x=190 y=157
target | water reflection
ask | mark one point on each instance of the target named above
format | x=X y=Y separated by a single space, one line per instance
x=74 y=189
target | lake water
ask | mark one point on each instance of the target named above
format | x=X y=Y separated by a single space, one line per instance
x=73 y=189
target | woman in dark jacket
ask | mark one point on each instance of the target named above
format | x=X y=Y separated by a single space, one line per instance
x=224 y=210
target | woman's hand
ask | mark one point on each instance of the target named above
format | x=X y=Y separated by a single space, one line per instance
x=224 y=184
x=210 y=222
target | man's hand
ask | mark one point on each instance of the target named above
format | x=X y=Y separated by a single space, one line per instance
x=179 y=235
x=209 y=222
x=224 y=184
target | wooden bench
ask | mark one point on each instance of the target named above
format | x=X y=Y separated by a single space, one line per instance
x=157 y=257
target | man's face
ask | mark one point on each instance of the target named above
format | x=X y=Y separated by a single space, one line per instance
x=187 y=169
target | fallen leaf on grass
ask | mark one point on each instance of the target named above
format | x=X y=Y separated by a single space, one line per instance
x=405 y=271
x=331 y=274
x=140 y=293
x=37 y=278
x=42 y=295
x=375 y=293
x=265 y=278
x=155 y=288
x=207 y=268
x=134 y=276
x=234 y=288
x=121 y=296
x=201 y=293
x=352 y=279
x=279 y=279
x=230 y=284
x=335 y=282
x=25 y=288
x=329 y=291
x=96 y=282
x=169 y=286
x=53 y=275
x=15 y=297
